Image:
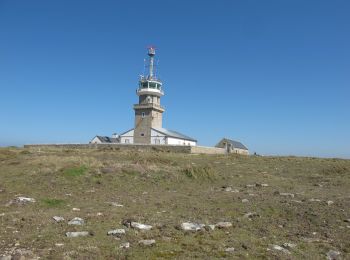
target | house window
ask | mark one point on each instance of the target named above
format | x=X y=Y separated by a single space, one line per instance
x=143 y=114
x=142 y=134
x=126 y=141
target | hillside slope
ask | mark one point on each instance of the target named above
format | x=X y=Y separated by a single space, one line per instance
x=279 y=208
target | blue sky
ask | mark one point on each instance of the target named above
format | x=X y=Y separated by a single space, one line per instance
x=272 y=74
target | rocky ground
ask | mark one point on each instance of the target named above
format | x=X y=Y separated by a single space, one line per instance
x=111 y=204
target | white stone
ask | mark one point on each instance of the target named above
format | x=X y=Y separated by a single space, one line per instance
x=230 y=249
x=314 y=200
x=77 y=234
x=285 y=194
x=212 y=227
x=58 y=219
x=188 y=226
x=24 y=199
x=115 y=204
x=221 y=225
x=76 y=221
x=289 y=245
x=125 y=245
x=245 y=200
x=279 y=248
x=332 y=255
x=330 y=202
x=147 y=242
x=116 y=232
x=251 y=215
x=59 y=244
x=75 y=209
x=140 y=226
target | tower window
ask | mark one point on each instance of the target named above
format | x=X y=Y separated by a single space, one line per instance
x=142 y=134
x=143 y=114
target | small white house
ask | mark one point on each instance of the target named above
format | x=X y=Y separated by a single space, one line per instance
x=104 y=139
x=232 y=146
x=160 y=136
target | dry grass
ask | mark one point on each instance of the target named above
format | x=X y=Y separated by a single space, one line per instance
x=164 y=190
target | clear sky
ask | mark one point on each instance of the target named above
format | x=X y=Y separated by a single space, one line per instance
x=272 y=74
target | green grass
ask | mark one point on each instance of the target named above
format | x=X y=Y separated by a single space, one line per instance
x=53 y=203
x=75 y=171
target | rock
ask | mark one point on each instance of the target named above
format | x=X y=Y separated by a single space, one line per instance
x=251 y=215
x=289 y=245
x=125 y=245
x=188 y=226
x=279 y=248
x=285 y=194
x=99 y=214
x=333 y=255
x=250 y=186
x=75 y=209
x=314 y=200
x=140 y=226
x=230 y=249
x=211 y=227
x=116 y=232
x=5 y=257
x=147 y=242
x=76 y=221
x=58 y=219
x=297 y=201
x=222 y=225
x=245 y=200
x=59 y=244
x=228 y=189
x=77 y=234
x=330 y=202
x=347 y=220
x=115 y=204
x=264 y=185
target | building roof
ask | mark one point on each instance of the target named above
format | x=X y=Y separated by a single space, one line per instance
x=106 y=139
x=234 y=143
x=126 y=132
x=175 y=134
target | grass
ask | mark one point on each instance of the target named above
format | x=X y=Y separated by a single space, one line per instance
x=75 y=171
x=165 y=189
x=52 y=203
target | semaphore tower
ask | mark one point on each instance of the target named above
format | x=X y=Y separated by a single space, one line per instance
x=148 y=112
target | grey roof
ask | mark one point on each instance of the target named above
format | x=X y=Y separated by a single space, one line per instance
x=174 y=134
x=234 y=143
x=106 y=139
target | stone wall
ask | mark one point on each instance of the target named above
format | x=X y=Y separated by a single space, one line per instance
x=207 y=150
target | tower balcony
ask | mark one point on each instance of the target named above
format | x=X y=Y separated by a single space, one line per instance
x=149 y=106
x=149 y=91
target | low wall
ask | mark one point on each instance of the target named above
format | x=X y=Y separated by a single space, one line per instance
x=207 y=150
x=137 y=147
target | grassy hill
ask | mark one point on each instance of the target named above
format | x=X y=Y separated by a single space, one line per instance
x=279 y=207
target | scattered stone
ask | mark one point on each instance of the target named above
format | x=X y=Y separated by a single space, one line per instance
x=250 y=186
x=245 y=200
x=116 y=232
x=147 y=242
x=99 y=214
x=228 y=189
x=289 y=245
x=251 y=215
x=77 y=234
x=285 y=194
x=211 y=227
x=333 y=255
x=59 y=244
x=330 y=202
x=222 y=225
x=279 y=248
x=264 y=185
x=75 y=209
x=5 y=257
x=140 y=226
x=230 y=249
x=115 y=204
x=315 y=200
x=297 y=201
x=125 y=245
x=347 y=220
x=188 y=226
x=76 y=221
x=58 y=219
x=2 y=214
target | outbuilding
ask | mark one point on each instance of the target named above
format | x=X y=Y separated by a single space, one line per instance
x=232 y=146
